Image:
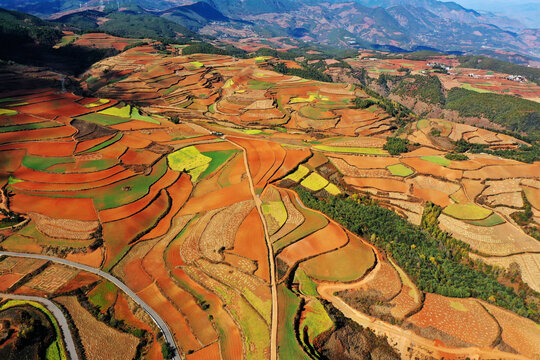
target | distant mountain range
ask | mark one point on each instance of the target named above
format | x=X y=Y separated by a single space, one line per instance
x=396 y=25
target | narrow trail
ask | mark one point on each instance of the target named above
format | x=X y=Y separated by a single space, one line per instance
x=58 y=315
x=273 y=284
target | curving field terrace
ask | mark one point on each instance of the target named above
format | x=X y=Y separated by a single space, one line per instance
x=202 y=221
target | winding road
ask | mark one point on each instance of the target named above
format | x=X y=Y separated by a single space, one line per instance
x=155 y=317
x=58 y=315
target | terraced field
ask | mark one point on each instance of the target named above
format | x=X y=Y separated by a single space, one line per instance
x=201 y=218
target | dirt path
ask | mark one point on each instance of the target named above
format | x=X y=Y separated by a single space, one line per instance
x=273 y=284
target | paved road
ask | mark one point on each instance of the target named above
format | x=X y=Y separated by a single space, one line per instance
x=59 y=316
x=155 y=317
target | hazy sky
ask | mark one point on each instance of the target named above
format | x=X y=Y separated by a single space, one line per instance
x=491 y=4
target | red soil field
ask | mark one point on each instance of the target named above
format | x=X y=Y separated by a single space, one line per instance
x=43 y=177
x=128 y=210
x=329 y=238
x=198 y=320
x=179 y=193
x=118 y=234
x=190 y=141
x=503 y=172
x=435 y=196
x=378 y=183
x=85 y=145
x=518 y=332
x=136 y=157
x=135 y=276
x=67 y=190
x=249 y=242
x=18 y=119
x=122 y=312
x=217 y=199
x=464 y=319
x=59 y=208
x=345 y=264
x=427 y=167
x=279 y=155
x=8 y=280
x=177 y=323
x=133 y=125
x=219 y=146
x=11 y=159
x=533 y=195
x=42 y=148
x=132 y=141
x=60 y=132
x=292 y=159
x=93 y=259
x=51 y=109
x=209 y=352
x=231 y=344
x=367 y=162
x=83 y=278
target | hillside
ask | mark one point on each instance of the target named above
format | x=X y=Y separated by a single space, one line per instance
x=386 y=24
x=256 y=209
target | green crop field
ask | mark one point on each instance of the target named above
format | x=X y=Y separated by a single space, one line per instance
x=103 y=296
x=314 y=182
x=103 y=119
x=218 y=158
x=32 y=126
x=316 y=320
x=313 y=222
x=43 y=163
x=472 y=88
x=298 y=174
x=400 y=170
x=104 y=144
x=422 y=124
x=136 y=115
x=8 y=112
x=468 y=211
x=277 y=210
x=491 y=220
x=315 y=113
x=439 y=160
x=288 y=347
x=332 y=189
x=306 y=286
x=191 y=160
x=123 y=112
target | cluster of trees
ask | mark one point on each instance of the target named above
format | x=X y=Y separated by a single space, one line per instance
x=205 y=48
x=360 y=103
x=456 y=157
x=486 y=63
x=426 y=88
x=307 y=72
x=17 y=28
x=527 y=154
x=514 y=113
x=396 y=145
x=436 y=262
x=142 y=26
